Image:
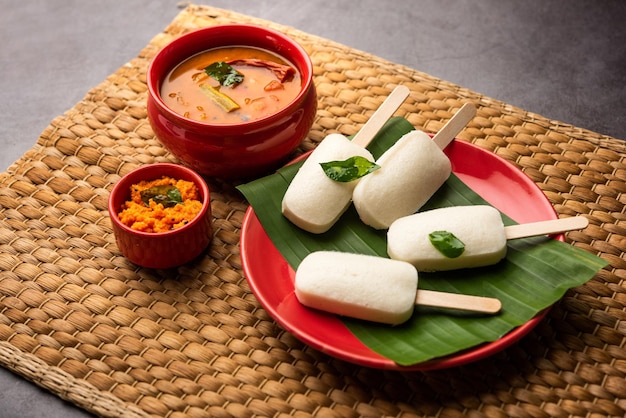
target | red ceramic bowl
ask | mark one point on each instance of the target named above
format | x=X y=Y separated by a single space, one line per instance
x=241 y=150
x=162 y=249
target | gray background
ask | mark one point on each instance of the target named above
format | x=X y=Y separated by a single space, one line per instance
x=562 y=59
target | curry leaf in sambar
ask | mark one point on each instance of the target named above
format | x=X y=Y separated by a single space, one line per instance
x=224 y=73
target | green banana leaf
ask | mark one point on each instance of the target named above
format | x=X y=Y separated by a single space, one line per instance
x=534 y=275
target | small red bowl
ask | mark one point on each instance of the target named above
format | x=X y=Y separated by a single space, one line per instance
x=242 y=150
x=161 y=249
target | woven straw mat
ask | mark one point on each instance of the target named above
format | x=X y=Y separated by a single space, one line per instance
x=80 y=320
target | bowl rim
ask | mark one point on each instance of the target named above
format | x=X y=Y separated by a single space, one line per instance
x=124 y=183
x=154 y=83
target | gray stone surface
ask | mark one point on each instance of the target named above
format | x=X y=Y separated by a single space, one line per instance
x=562 y=59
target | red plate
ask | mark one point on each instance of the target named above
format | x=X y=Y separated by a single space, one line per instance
x=271 y=278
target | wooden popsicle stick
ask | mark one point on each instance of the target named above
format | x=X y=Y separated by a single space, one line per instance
x=458 y=301
x=553 y=226
x=455 y=125
x=381 y=116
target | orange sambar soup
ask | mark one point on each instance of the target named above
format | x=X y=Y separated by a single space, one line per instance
x=231 y=85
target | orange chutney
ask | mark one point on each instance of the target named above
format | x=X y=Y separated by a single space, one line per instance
x=160 y=217
x=269 y=84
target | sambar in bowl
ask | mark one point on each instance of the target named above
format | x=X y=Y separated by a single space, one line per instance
x=231 y=101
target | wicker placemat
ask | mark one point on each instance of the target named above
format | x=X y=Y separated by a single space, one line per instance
x=80 y=320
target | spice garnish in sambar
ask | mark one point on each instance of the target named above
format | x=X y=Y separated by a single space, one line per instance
x=161 y=205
